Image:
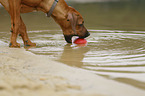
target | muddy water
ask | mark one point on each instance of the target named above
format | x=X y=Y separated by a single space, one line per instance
x=114 y=54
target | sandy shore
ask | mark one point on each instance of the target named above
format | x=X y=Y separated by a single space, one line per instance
x=25 y=74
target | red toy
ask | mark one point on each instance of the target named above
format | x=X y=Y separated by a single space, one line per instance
x=80 y=41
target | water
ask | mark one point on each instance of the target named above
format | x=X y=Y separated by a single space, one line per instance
x=115 y=49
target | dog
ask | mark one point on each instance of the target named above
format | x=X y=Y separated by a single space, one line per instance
x=70 y=20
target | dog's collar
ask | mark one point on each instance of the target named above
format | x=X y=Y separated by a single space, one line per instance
x=52 y=8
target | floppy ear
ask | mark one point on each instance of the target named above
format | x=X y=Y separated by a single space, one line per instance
x=72 y=17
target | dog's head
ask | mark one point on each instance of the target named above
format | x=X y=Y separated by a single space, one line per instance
x=73 y=25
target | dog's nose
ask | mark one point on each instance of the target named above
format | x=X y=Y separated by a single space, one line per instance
x=88 y=34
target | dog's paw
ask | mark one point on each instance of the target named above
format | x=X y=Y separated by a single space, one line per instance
x=14 y=45
x=32 y=44
x=29 y=43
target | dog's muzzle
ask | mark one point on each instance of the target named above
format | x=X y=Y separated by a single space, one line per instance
x=68 y=38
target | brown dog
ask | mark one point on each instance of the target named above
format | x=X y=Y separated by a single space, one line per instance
x=67 y=17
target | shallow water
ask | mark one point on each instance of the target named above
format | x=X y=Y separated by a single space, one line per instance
x=114 y=54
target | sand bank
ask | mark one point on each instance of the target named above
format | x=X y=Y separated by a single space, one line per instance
x=25 y=74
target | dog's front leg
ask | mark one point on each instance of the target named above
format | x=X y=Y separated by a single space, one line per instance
x=14 y=11
x=24 y=35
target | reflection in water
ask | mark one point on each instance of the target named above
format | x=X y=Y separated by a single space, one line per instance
x=73 y=56
x=117 y=55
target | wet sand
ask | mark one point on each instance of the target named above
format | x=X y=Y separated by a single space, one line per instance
x=25 y=74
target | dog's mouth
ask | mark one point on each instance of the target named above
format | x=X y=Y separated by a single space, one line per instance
x=68 y=38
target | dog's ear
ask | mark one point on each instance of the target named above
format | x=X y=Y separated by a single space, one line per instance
x=72 y=17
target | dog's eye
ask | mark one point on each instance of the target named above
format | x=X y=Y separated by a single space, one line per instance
x=80 y=24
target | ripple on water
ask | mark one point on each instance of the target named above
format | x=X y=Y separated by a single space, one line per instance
x=118 y=55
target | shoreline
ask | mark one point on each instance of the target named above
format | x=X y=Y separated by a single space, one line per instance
x=26 y=74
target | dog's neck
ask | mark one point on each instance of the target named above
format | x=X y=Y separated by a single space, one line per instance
x=61 y=10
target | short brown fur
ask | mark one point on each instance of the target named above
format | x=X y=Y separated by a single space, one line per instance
x=67 y=17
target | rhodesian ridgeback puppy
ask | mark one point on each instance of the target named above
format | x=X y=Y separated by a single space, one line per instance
x=67 y=17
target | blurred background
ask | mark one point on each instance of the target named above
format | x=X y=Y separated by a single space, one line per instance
x=111 y=14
